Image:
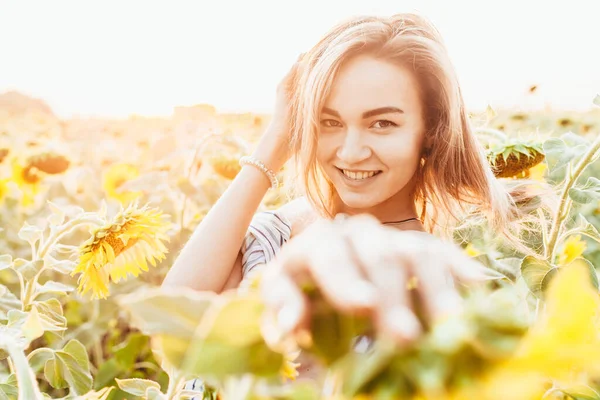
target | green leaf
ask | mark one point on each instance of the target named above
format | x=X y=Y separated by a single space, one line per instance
x=154 y=394
x=218 y=349
x=76 y=349
x=70 y=368
x=235 y=316
x=217 y=359
x=580 y=392
x=30 y=233
x=586 y=193
x=360 y=368
x=537 y=274
x=8 y=301
x=585 y=228
x=52 y=314
x=9 y=388
x=176 y=312
x=8 y=392
x=28 y=269
x=54 y=287
x=107 y=371
x=62 y=266
x=559 y=154
x=39 y=357
x=597 y=100
x=136 y=387
x=43 y=316
x=5 y=261
x=58 y=215
x=127 y=352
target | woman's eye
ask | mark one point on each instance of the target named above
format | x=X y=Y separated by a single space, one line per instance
x=384 y=123
x=330 y=123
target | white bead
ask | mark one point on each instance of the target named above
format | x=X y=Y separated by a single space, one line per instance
x=260 y=165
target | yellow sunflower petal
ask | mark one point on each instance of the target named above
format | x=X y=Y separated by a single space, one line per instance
x=114 y=177
x=123 y=246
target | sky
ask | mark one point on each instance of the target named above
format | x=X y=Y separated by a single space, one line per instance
x=122 y=57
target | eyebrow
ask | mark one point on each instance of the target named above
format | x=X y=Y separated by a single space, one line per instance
x=367 y=114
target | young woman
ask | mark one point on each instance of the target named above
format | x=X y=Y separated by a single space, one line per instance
x=374 y=119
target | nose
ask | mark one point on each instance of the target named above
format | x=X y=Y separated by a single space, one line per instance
x=353 y=149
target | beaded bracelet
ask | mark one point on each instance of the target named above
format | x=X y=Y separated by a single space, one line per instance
x=249 y=160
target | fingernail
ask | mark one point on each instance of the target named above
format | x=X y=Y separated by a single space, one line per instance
x=403 y=322
x=288 y=317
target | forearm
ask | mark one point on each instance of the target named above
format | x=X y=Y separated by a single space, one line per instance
x=207 y=259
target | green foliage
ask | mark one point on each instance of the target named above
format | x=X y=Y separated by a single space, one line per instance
x=146 y=342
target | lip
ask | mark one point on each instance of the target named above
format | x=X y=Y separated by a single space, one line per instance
x=357 y=183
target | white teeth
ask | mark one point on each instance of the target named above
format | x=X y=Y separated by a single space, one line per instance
x=359 y=175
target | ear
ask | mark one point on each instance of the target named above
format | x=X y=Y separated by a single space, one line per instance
x=427 y=145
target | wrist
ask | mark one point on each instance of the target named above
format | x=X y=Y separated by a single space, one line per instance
x=254 y=177
x=273 y=155
x=258 y=164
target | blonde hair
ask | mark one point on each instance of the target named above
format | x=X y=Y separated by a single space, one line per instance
x=454 y=172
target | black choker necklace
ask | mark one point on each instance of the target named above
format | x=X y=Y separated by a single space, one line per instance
x=399 y=222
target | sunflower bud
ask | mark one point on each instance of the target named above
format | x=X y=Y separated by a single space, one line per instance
x=226 y=166
x=515 y=157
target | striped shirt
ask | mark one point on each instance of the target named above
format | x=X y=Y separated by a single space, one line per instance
x=268 y=231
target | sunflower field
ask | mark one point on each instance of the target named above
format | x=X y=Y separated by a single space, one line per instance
x=94 y=211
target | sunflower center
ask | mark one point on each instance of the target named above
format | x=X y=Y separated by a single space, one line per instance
x=117 y=244
x=30 y=175
x=119 y=182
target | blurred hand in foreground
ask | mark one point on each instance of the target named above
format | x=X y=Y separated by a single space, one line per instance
x=365 y=268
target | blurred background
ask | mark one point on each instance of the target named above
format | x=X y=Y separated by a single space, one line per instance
x=117 y=58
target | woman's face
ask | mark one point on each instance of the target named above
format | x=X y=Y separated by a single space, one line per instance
x=371 y=133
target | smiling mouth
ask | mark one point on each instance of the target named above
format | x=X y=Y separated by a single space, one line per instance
x=358 y=175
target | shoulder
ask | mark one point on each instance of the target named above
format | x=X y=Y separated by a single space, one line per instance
x=299 y=213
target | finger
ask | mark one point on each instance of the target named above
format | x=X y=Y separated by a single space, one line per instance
x=436 y=285
x=284 y=300
x=388 y=273
x=330 y=264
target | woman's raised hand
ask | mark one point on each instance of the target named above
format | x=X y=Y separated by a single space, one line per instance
x=361 y=267
x=273 y=147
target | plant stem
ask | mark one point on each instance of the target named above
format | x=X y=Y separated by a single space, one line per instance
x=175 y=382
x=89 y=219
x=98 y=353
x=563 y=209
x=26 y=382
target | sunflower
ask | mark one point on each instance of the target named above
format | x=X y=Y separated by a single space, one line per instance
x=538 y=172
x=114 y=177
x=573 y=248
x=124 y=245
x=28 y=179
x=226 y=165
x=49 y=162
x=514 y=157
